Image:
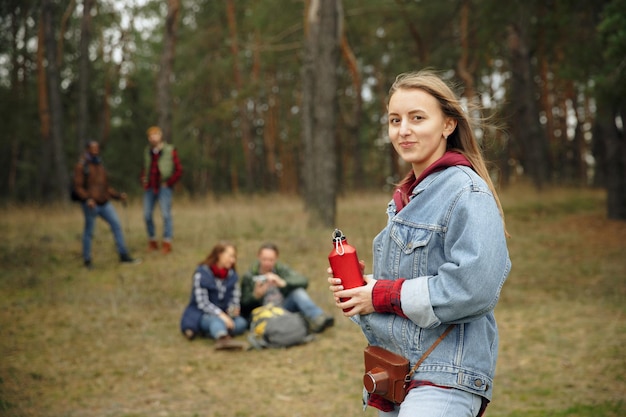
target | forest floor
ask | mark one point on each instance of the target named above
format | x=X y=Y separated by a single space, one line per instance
x=106 y=342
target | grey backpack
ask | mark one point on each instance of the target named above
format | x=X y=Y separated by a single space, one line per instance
x=275 y=327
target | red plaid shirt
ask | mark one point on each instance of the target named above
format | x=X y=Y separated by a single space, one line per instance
x=386 y=297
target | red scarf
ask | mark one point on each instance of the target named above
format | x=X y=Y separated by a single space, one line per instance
x=402 y=194
x=219 y=272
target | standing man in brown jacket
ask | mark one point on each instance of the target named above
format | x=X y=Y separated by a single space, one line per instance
x=92 y=186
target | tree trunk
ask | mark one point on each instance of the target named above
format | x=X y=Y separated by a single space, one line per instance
x=67 y=14
x=43 y=106
x=244 y=130
x=576 y=163
x=319 y=109
x=57 y=188
x=525 y=125
x=464 y=68
x=612 y=160
x=353 y=123
x=420 y=49
x=270 y=135
x=167 y=68
x=83 y=76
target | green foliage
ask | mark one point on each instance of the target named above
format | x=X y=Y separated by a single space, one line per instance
x=578 y=41
x=612 y=78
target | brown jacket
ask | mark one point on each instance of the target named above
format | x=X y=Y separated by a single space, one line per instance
x=93 y=185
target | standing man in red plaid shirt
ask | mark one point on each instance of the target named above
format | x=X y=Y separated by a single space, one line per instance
x=161 y=170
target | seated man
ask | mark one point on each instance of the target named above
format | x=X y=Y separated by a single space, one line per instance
x=269 y=281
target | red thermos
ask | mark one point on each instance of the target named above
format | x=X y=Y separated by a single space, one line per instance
x=345 y=263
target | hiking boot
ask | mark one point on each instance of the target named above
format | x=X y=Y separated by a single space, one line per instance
x=227 y=343
x=166 y=247
x=321 y=323
x=153 y=245
x=127 y=259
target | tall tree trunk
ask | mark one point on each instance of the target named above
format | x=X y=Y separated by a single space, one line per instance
x=420 y=49
x=59 y=178
x=613 y=156
x=67 y=14
x=270 y=135
x=576 y=163
x=83 y=76
x=464 y=67
x=547 y=102
x=167 y=67
x=246 y=141
x=391 y=164
x=18 y=17
x=354 y=120
x=112 y=72
x=43 y=106
x=525 y=125
x=319 y=107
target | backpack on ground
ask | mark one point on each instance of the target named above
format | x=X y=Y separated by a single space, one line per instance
x=73 y=194
x=274 y=327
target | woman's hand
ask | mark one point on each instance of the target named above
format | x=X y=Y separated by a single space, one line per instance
x=234 y=311
x=229 y=322
x=356 y=300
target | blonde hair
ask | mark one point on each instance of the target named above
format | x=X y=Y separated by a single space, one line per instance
x=154 y=129
x=462 y=139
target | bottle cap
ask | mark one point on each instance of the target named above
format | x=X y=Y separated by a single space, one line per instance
x=338 y=240
x=338 y=235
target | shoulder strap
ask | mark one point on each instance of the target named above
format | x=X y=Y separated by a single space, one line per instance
x=409 y=376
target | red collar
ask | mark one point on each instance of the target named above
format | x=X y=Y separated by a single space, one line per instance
x=449 y=159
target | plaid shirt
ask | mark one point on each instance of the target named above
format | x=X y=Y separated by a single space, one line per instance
x=386 y=297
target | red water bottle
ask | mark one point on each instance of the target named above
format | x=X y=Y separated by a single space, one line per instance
x=345 y=263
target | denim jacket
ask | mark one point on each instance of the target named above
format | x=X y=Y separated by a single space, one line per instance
x=449 y=244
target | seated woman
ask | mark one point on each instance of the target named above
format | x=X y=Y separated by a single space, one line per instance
x=214 y=304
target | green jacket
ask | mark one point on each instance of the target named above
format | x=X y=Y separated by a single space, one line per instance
x=293 y=279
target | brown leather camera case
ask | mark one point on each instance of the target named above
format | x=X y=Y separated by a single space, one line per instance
x=385 y=373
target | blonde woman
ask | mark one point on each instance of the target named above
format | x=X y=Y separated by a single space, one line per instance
x=441 y=260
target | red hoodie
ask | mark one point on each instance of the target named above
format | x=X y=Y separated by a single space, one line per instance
x=449 y=159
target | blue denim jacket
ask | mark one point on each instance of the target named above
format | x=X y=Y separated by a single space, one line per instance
x=449 y=244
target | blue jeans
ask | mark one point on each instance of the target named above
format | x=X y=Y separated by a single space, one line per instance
x=299 y=301
x=107 y=212
x=164 y=197
x=429 y=401
x=214 y=326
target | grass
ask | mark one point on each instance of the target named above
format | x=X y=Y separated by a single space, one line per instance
x=105 y=343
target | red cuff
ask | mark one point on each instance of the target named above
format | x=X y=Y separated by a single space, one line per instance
x=386 y=297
